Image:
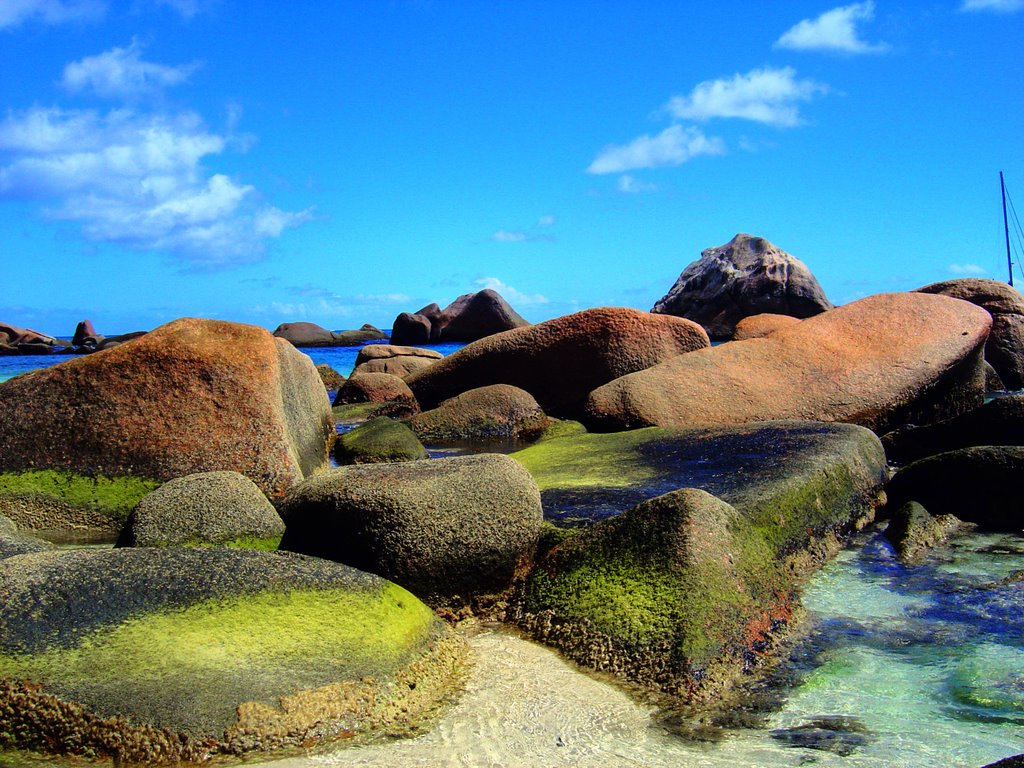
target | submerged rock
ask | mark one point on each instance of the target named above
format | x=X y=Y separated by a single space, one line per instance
x=1005 y=346
x=169 y=655
x=201 y=509
x=380 y=440
x=499 y=411
x=979 y=485
x=462 y=526
x=560 y=361
x=840 y=734
x=191 y=396
x=686 y=589
x=746 y=276
x=879 y=362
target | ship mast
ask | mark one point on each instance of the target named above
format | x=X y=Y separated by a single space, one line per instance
x=1006 y=228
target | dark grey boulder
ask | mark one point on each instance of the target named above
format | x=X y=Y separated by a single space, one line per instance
x=980 y=485
x=312 y=335
x=746 y=276
x=997 y=422
x=203 y=508
x=445 y=528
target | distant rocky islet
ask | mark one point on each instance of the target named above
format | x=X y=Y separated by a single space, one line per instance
x=669 y=500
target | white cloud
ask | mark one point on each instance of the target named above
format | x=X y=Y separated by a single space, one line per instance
x=834 y=30
x=15 y=12
x=510 y=294
x=630 y=185
x=187 y=8
x=996 y=6
x=137 y=180
x=121 y=73
x=504 y=236
x=967 y=269
x=547 y=220
x=673 y=146
x=765 y=95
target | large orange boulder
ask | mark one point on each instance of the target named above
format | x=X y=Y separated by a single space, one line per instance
x=1005 y=347
x=879 y=362
x=560 y=361
x=191 y=396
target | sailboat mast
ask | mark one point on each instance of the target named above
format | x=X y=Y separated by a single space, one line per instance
x=1006 y=228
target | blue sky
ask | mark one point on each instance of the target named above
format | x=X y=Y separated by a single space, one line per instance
x=269 y=162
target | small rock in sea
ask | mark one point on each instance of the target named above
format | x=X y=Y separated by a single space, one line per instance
x=840 y=734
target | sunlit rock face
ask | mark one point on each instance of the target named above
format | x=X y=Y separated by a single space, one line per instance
x=746 y=276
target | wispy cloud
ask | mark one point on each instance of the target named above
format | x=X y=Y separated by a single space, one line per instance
x=121 y=73
x=673 y=146
x=768 y=95
x=504 y=236
x=630 y=185
x=187 y=8
x=15 y=12
x=967 y=269
x=512 y=295
x=995 y=6
x=548 y=220
x=137 y=179
x=835 y=30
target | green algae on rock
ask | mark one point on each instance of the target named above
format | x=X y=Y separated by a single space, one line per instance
x=686 y=589
x=50 y=499
x=180 y=654
x=380 y=440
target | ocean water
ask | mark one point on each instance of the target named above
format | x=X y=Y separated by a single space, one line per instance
x=917 y=667
x=341 y=359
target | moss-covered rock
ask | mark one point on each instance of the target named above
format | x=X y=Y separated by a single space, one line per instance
x=202 y=509
x=686 y=588
x=913 y=532
x=445 y=528
x=333 y=381
x=61 y=500
x=191 y=396
x=150 y=655
x=498 y=411
x=380 y=440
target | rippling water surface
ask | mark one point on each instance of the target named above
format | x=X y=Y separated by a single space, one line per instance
x=902 y=666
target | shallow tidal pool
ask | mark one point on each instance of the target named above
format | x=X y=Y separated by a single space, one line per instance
x=901 y=666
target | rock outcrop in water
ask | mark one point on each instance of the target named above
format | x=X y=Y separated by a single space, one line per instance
x=398 y=361
x=1005 y=346
x=446 y=528
x=879 y=362
x=25 y=341
x=470 y=317
x=746 y=276
x=312 y=335
x=700 y=543
x=190 y=396
x=380 y=440
x=171 y=655
x=560 y=361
